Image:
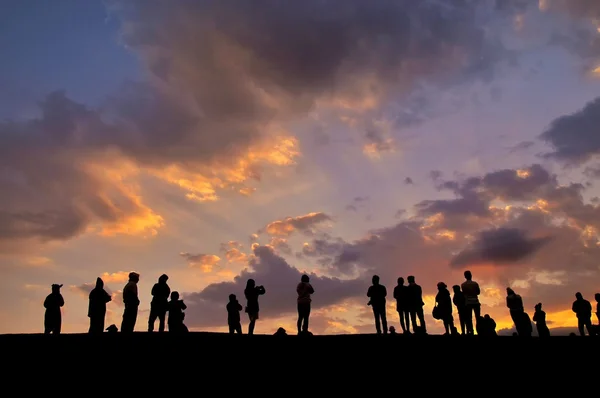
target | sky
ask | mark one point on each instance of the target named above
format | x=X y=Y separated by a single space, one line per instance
x=217 y=141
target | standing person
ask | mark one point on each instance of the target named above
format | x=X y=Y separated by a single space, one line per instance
x=415 y=303
x=583 y=309
x=53 y=317
x=401 y=305
x=597 y=298
x=461 y=307
x=233 y=315
x=159 y=303
x=444 y=307
x=539 y=317
x=131 y=303
x=377 y=294
x=252 y=292
x=514 y=302
x=97 y=307
x=304 y=290
x=471 y=291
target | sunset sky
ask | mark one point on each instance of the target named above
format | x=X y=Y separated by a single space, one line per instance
x=217 y=141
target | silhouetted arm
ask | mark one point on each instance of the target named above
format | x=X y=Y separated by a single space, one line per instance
x=261 y=290
x=396 y=293
x=107 y=297
x=168 y=291
x=183 y=306
x=574 y=307
x=239 y=307
x=310 y=289
x=384 y=290
x=47 y=302
x=61 y=300
x=477 y=291
x=154 y=288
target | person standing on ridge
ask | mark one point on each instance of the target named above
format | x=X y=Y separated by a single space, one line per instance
x=131 y=303
x=415 y=304
x=159 y=303
x=252 y=292
x=377 y=294
x=583 y=309
x=97 y=307
x=304 y=290
x=401 y=305
x=471 y=291
x=53 y=317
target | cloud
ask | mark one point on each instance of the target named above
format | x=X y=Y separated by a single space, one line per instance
x=289 y=225
x=84 y=290
x=119 y=276
x=575 y=138
x=498 y=246
x=206 y=262
x=207 y=307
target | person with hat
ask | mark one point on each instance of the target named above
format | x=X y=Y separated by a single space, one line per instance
x=97 y=307
x=53 y=317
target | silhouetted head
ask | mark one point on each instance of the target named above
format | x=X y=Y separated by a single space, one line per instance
x=305 y=278
x=468 y=275
x=232 y=297
x=441 y=286
x=174 y=296
x=578 y=296
x=538 y=306
x=56 y=288
x=401 y=281
x=411 y=279
x=99 y=283
x=456 y=288
x=509 y=291
x=163 y=278
x=250 y=284
x=597 y=297
x=375 y=279
x=134 y=277
x=486 y=316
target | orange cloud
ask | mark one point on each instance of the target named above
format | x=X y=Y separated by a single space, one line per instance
x=206 y=262
x=291 y=224
x=119 y=276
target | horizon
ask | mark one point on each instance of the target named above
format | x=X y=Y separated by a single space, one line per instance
x=220 y=142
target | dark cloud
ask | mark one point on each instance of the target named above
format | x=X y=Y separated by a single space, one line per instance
x=575 y=138
x=522 y=146
x=207 y=308
x=498 y=246
x=408 y=181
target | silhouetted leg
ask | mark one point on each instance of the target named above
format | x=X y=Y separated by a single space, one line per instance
x=383 y=317
x=469 y=319
x=300 y=318
x=477 y=311
x=407 y=320
x=402 y=323
x=376 y=314
x=306 y=317
x=421 y=316
x=231 y=328
x=413 y=318
x=161 y=320
x=588 y=326
x=152 y=318
x=238 y=328
x=252 y=323
x=59 y=326
x=461 y=319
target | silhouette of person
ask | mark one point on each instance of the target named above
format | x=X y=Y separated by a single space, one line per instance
x=583 y=309
x=252 y=292
x=514 y=302
x=401 y=305
x=97 y=307
x=461 y=307
x=414 y=295
x=304 y=290
x=158 y=305
x=471 y=291
x=233 y=315
x=489 y=325
x=597 y=298
x=444 y=305
x=539 y=317
x=53 y=317
x=176 y=314
x=131 y=303
x=526 y=326
x=377 y=294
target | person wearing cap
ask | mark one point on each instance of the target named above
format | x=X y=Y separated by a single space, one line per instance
x=159 y=303
x=53 y=317
x=131 y=303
